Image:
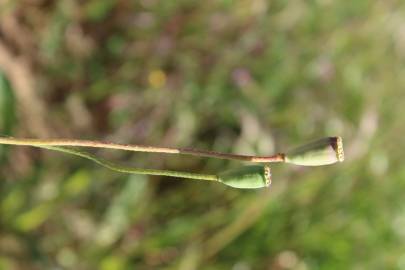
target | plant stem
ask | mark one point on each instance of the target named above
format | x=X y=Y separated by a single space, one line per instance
x=141 y=148
x=124 y=169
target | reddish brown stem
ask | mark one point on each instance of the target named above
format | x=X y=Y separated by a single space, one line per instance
x=141 y=148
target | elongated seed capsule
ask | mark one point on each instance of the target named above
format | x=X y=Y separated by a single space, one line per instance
x=247 y=177
x=321 y=152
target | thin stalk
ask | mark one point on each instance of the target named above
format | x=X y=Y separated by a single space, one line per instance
x=141 y=148
x=124 y=169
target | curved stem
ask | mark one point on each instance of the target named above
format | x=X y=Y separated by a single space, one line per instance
x=124 y=169
x=140 y=148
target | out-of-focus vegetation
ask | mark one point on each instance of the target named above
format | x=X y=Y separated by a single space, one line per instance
x=237 y=76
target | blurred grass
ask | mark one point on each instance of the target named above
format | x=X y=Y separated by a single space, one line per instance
x=239 y=76
x=8 y=111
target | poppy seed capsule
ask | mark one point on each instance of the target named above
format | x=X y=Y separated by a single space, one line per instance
x=247 y=177
x=321 y=152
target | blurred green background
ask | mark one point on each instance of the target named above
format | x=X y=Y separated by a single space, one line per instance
x=252 y=77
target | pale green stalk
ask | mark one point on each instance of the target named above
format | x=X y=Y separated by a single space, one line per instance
x=124 y=169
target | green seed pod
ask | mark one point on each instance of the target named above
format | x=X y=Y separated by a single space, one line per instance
x=321 y=152
x=247 y=177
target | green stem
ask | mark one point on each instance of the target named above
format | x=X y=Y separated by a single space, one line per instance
x=125 y=169
x=141 y=148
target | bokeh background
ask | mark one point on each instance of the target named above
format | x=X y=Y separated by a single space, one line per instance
x=252 y=77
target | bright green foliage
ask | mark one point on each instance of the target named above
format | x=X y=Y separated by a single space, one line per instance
x=7 y=109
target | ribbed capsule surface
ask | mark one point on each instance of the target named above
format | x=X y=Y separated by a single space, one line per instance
x=247 y=177
x=320 y=152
